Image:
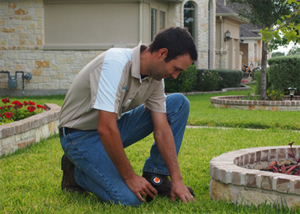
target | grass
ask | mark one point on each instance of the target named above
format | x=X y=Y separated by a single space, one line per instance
x=30 y=178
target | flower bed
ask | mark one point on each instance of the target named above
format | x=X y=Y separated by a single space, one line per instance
x=14 y=111
x=238 y=102
x=236 y=177
x=28 y=131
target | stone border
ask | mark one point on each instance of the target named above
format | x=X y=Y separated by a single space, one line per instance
x=232 y=178
x=31 y=130
x=237 y=102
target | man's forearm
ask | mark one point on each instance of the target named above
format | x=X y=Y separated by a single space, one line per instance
x=111 y=141
x=165 y=143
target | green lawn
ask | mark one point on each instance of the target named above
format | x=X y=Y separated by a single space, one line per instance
x=30 y=179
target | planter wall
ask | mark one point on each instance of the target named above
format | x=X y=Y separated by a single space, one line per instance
x=235 y=179
x=237 y=102
x=31 y=130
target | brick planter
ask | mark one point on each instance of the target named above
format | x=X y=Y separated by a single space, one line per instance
x=31 y=130
x=237 y=102
x=234 y=179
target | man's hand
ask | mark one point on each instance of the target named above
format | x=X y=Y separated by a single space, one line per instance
x=180 y=190
x=141 y=187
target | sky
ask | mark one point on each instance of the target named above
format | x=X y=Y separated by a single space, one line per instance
x=285 y=50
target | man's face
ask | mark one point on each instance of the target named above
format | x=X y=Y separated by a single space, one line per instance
x=172 y=68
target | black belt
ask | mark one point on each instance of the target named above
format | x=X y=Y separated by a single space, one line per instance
x=67 y=131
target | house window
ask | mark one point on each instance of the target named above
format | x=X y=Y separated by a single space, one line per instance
x=189 y=17
x=162 y=19
x=77 y=25
x=153 y=23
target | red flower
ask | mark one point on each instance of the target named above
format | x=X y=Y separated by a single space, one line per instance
x=31 y=103
x=40 y=106
x=30 y=108
x=17 y=104
x=25 y=103
x=8 y=114
x=5 y=100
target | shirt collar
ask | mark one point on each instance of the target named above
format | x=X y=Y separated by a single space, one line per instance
x=136 y=62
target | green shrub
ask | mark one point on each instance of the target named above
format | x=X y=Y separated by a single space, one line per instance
x=274 y=95
x=185 y=82
x=231 y=78
x=207 y=80
x=257 y=75
x=284 y=73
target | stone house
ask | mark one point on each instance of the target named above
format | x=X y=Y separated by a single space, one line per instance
x=54 y=39
x=238 y=43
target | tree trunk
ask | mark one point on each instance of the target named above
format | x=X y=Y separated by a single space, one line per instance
x=264 y=57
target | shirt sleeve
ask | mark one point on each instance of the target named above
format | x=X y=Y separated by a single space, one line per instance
x=108 y=82
x=157 y=101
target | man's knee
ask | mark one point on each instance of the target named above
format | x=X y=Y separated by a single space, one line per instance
x=178 y=100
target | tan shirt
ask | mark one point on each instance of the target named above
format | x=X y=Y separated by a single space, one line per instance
x=111 y=82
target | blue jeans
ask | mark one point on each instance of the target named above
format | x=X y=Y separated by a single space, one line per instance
x=95 y=172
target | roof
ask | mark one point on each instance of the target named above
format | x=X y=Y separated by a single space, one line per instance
x=226 y=9
x=222 y=8
x=249 y=30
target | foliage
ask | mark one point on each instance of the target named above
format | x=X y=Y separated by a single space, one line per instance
x=257 y=75
x=274 y=95
x=295 y=50
x=185 y=82
x=231 y=78
x=207 y=80
x=275 y=54
x=287 y=25
x=290 y=169
x=284 y=73
x=18 y=111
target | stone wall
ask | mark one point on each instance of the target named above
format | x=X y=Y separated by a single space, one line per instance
x=239 y=102
x=21 y=49
x=20 y=134
x=233 y=181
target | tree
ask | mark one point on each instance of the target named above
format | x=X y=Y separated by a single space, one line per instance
x=290 y=25
x=287 y=25
x=294 y=51
x=262 y=13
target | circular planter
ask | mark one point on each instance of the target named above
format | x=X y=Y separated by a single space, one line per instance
x=238 y=102
x=234 y=179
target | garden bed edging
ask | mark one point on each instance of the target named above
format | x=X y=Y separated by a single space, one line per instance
x=238 y=102
x=235 y=179
x=22 y=133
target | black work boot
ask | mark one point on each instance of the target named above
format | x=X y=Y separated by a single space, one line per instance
x=161 y=183
x=68 y=181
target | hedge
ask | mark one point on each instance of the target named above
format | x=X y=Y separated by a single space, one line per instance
x=204 y=80
x=185 y=82
x=284 y=73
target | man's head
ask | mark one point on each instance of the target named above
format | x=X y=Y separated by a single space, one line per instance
x=172 y=51
x=177 y=40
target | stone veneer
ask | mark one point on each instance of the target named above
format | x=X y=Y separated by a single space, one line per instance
x=237 y=102
x=22 y=41
x=234 y=180
x=31 y=130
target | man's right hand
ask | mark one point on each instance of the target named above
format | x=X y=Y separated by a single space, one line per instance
x=141 y=187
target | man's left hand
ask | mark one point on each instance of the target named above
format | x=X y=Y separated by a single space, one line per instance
x=180 y=190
